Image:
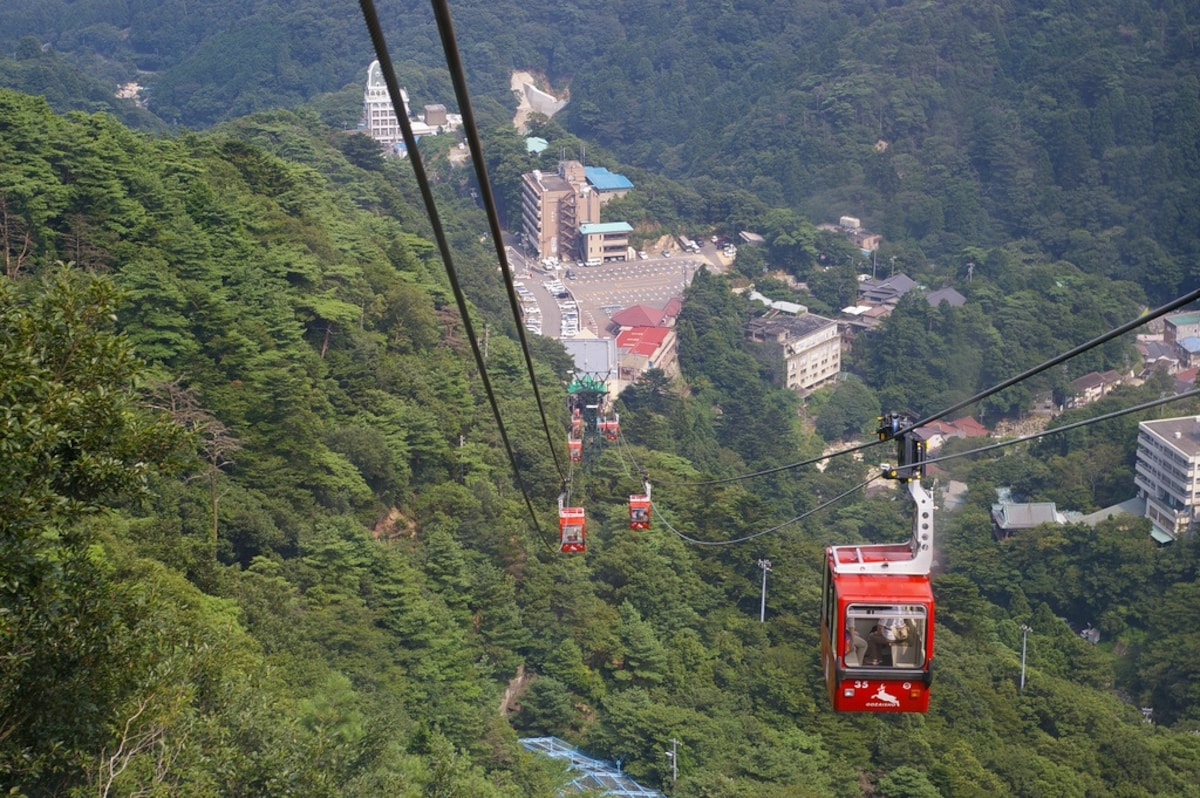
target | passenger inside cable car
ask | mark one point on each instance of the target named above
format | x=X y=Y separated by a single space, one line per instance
x=572 y=530
x=888 y=636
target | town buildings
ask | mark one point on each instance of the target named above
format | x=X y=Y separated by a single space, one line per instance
x=806 y=349
x=379 y=115
x=560 y=214
x=1167 y=474
x=553 y=206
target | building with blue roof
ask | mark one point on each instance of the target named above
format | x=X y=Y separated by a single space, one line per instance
x=1190 y=347
x=610 y=185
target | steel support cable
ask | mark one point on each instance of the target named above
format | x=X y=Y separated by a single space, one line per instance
x=1066 y=427
x=759 y=534
x=457 y=75
x=1012 y=442
x=1054 y=361
x=389 y=75
x=1105 y=338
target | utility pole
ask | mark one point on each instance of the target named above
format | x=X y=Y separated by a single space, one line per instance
x=674 y=755
x=765 y=565
x=1025 y=630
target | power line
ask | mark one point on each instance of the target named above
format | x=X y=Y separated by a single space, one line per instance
x=454 y=61
x=760 y=533
x=1105 y=338
x=393 y=86
x=932 y=460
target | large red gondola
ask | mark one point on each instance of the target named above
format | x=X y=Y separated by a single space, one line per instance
x=572 y=530
x=877 y=616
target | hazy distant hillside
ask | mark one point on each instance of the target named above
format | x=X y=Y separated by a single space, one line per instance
x=941 y=125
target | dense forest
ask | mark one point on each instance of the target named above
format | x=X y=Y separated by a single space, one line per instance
x=259 y=536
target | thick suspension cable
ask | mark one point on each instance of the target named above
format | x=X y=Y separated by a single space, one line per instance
x=414 y=155
x=759 y=534
x=1054 y=361
x=931 y=460
x=457 y=75
x=1105 y=338
x=1064 y=428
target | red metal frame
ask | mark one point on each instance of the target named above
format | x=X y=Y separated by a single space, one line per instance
x=639 y=511
x=855 y=686
x=572 y=530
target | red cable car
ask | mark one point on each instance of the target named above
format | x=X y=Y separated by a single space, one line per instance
x=639 y=509
x=575 y=448
x=576 y=423
x=878 y=612
x=610 y=428
x=572 y=529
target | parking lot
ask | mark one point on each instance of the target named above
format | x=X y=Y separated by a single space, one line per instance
x=560 y=302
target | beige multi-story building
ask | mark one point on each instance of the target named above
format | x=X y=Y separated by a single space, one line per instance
x=554 y=206
x=604 y=242
x=807 y=348
x=1167 y=474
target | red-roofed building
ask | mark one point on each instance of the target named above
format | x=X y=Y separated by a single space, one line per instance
x=638 y=316
x=936 y=433
x=640 y=349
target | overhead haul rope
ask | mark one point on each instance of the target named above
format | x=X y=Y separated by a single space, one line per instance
x=393 y=86
x=759 y=534
x=453 y=60
x=1075 y=425
x=943 y=458
x=1105 y=338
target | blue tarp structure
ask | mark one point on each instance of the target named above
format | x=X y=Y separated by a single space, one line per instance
x=594 y=774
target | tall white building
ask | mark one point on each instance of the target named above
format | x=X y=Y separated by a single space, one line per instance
x=381 y=122
x=1168 y=474
x=378 y=112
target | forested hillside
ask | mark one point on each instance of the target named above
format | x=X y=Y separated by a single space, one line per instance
x=259 y=536
x=947 y=127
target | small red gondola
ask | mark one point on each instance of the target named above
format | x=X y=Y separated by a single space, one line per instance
x=639 y=511
x=575 y=448
x=576 y=423
x=610 y=428
x=572 y=530
x=877 y=615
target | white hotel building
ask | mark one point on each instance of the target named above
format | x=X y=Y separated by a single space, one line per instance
x=1168 y=474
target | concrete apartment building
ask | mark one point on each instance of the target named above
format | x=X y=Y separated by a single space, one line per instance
x=554 y=206
x=807 y=349
x=1179 y=326
x=1167 y=474
x=603 y=242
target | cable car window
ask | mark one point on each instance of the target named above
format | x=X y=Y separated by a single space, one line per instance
x=829 y=610
x=572 y=533
x=885 y=635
